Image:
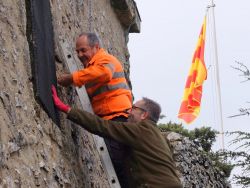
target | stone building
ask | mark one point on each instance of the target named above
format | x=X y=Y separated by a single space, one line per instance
x=34 y=151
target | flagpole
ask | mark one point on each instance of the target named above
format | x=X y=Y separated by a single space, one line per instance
x=217 y=74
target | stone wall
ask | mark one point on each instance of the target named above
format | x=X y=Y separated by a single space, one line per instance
x=195 y=168
x=34 y=152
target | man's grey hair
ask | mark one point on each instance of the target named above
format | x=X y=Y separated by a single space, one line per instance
x=153 y=109
x=93 y=39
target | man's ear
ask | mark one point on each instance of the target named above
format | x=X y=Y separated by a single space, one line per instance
x=144 y=115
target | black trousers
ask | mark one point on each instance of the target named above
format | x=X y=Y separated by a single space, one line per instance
x=119 y=155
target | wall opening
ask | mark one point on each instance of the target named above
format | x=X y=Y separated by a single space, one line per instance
x=41 y=44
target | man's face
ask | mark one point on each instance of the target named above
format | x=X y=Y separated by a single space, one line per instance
x=84 y=52
x=137 y=112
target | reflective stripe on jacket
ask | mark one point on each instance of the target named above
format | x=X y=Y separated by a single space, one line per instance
x=106 y=85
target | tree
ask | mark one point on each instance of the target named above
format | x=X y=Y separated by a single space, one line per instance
x=204 y=137
x=240 y=157
x=246 y=74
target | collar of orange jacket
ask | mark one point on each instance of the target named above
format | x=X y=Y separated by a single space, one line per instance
x=98 y=54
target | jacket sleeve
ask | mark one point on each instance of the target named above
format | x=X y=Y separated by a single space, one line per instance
x=124 y=132
x=98 y=73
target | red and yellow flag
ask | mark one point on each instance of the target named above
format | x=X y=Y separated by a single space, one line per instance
x=191 y=101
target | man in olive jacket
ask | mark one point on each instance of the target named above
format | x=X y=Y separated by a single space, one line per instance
x=150 y=162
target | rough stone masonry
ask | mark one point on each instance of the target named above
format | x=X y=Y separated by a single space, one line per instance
x=34 y=152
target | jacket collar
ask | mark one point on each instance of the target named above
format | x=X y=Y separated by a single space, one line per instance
x=150 y=122
x=96 y=56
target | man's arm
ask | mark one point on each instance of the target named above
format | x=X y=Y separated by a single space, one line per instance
x=123 y=132
x=99 y=73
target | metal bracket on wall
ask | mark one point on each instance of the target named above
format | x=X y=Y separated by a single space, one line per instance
x=69 y=59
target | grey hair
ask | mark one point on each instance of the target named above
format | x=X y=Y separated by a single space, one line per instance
x=93 y=39
x=153 y=109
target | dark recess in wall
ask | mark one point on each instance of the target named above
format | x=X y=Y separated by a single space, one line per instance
x=41 y=45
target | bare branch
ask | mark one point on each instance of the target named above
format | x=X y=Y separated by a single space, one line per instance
x=243 y=68
x=243 y=111
x=246 y=80
x=246 y=73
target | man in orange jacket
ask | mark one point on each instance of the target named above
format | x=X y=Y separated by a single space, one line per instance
x=107 y=88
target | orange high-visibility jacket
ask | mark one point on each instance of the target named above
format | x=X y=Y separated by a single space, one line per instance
x=106 y=85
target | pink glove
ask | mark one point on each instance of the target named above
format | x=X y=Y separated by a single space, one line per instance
x=58 y=103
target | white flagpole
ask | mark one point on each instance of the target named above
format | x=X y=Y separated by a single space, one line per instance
x=217 y=76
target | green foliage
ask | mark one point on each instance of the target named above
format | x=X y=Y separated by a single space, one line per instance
x=221 y=163
x=178 y=128
x=240 y=157
x=204 y=137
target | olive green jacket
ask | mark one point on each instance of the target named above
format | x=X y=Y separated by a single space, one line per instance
x=151 y=163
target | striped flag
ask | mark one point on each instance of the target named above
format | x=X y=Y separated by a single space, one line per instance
x=191 y=101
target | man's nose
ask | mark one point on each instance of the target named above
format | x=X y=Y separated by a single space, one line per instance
x=79 y=54
x=128 y=111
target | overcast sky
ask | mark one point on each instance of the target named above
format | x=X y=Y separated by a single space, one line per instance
x=160 y=58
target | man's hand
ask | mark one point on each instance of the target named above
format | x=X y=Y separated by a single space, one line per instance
x=58 y=103
x=65 y=80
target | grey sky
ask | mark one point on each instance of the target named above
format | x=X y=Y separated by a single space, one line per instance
x=161 y=56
